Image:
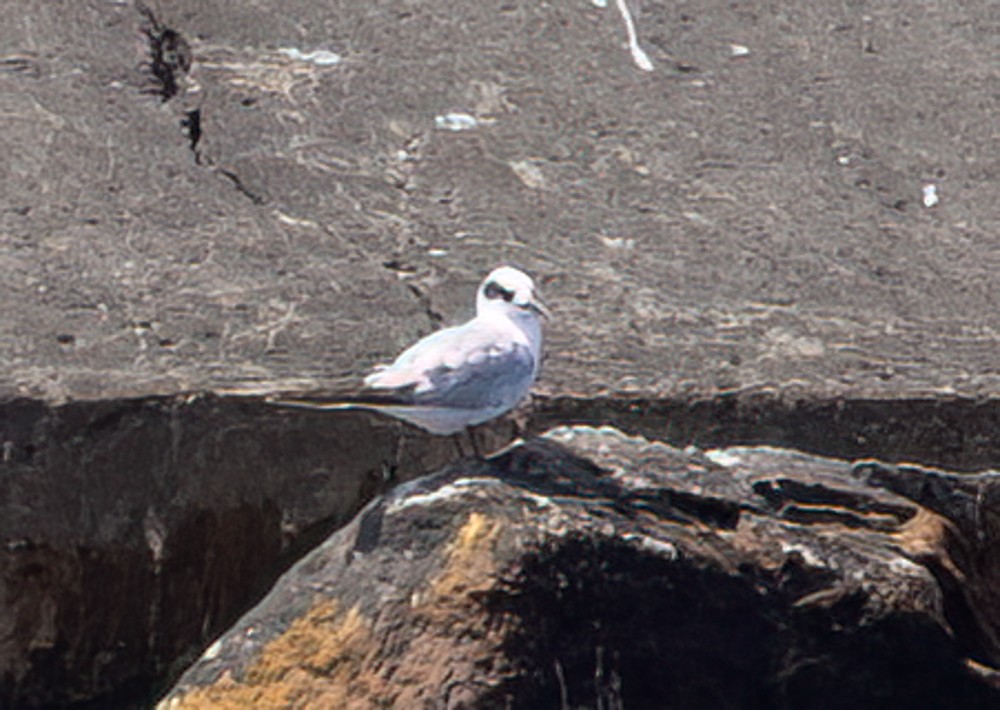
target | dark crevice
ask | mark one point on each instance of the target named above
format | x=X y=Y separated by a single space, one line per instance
x=243 y=189
x=710 y=511
x=399 y=266
x=434 y=316
x=191 y=125
x=170 y=59
x=169 y=55
x=810 y=515
x=787 y=489
x=21 y=65
x=956 y=434
x=971 y=633
x=795 y=500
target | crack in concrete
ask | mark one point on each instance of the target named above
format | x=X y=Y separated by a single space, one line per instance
x=191 y=124
x=170 y=55
x=434 y=316
x=254 y=197
x=170 y=59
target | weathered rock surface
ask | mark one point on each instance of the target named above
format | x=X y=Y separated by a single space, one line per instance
x=588 y=569
x=135 y=532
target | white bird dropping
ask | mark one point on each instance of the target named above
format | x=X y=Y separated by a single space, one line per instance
x=930 y=195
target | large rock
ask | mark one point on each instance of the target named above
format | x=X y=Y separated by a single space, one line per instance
x=136 y=531
x=588 y=569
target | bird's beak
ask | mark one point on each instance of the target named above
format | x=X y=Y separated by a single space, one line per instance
x=538 y=306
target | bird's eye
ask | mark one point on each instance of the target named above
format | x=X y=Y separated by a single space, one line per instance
x=494 y=291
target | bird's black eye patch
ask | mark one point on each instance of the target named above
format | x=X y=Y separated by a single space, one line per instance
x=494 y=291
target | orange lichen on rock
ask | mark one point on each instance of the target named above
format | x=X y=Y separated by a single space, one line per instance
x=457 y=642
x=315 y=663
x=328 y=658
x=470 y=562
x=930 y=536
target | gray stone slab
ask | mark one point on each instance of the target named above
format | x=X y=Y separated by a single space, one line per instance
x=725 y=221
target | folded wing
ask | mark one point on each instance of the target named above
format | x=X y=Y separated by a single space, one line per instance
x=464 y=367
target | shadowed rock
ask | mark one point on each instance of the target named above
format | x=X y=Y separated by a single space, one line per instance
x=591 y=569
x=135 y=531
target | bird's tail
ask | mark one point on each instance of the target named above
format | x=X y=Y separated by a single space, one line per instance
x=340 y=400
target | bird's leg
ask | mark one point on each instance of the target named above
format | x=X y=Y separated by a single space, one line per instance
x=470 y=434
x=475 y=443
x=521 y=417
x=397 y=464
x=457 y=439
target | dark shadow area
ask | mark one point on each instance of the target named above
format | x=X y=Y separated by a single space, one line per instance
x=138 y=530
x=100 y=484
x=957 y=434
x=602 y=624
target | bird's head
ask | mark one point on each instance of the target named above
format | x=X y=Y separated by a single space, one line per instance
x=512 y=292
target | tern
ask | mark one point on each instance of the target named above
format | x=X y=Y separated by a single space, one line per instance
x=467 y=374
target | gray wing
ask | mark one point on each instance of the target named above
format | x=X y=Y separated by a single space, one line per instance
x=459 y=367
x=497 y=380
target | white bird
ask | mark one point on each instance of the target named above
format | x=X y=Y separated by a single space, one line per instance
x=467 y=374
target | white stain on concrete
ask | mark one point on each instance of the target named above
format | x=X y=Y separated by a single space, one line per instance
x=639 y=55
x=456 y=121
x=930 y=195
x=529 y=173
x=319 y=57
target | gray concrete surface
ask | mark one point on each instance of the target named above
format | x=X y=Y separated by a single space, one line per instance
x=721 y=222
